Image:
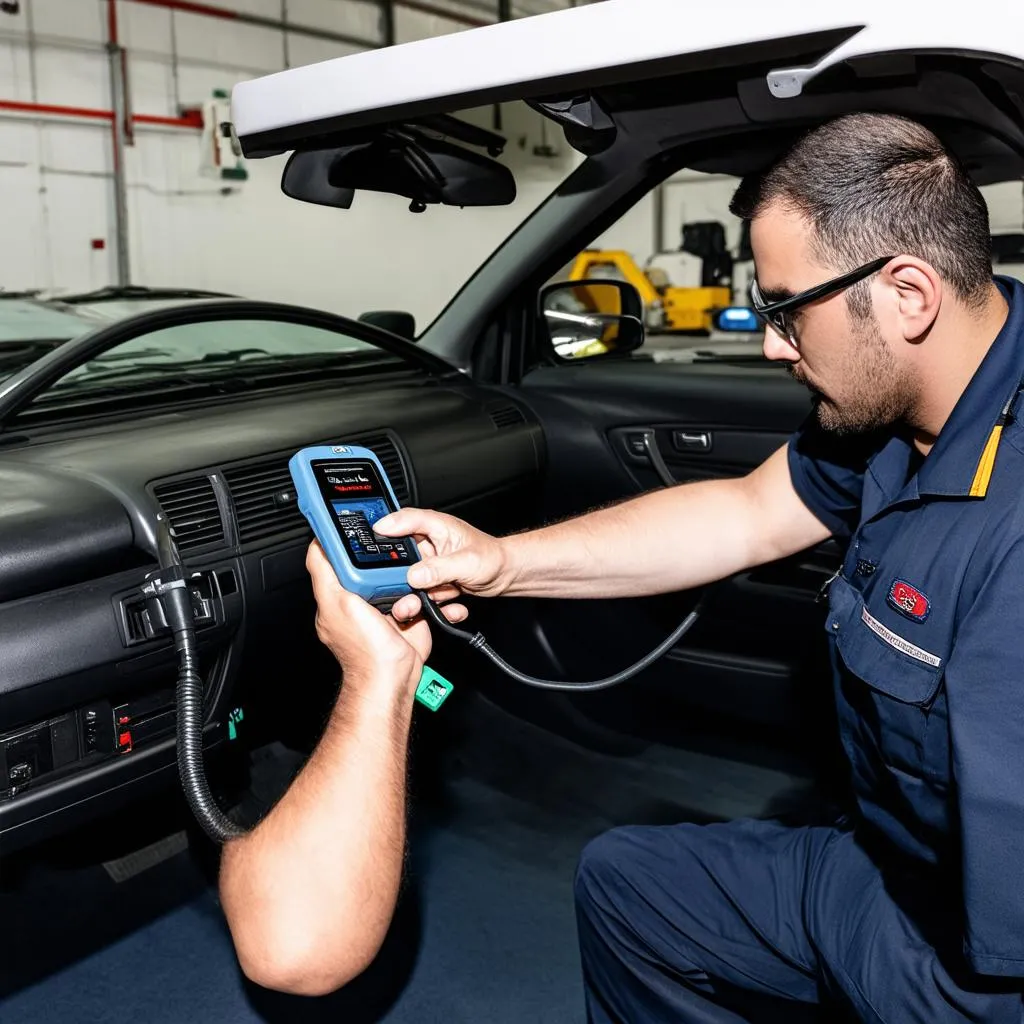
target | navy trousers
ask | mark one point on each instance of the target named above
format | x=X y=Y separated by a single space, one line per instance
x=756 y=921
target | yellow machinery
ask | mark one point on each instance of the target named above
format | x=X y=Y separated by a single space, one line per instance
x=669 y=307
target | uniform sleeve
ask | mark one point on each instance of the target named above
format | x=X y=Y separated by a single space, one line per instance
x=828 y=474
x=985 y=693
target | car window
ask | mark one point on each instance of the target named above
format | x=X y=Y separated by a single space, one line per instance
x=687 y=255
x=215 y=347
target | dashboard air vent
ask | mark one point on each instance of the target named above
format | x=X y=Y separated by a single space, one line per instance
x=264 y=497
x=191 y=506
x=506 y=416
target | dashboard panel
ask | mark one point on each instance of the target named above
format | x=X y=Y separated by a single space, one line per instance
x=87 y=677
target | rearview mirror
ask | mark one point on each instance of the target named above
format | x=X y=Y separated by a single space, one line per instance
x=591 y=319
x=402 y=161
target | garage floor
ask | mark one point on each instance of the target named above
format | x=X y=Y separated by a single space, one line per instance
x=485 y=931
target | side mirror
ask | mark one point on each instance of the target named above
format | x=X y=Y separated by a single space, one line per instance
x=591 y=319
x=737 y=319
x=394 y=320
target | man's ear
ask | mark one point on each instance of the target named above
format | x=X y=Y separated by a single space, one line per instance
x=914 y=293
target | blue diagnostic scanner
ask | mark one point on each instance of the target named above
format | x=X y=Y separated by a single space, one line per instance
x=343 y=490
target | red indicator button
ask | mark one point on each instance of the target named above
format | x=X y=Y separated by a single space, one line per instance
x=124 y=742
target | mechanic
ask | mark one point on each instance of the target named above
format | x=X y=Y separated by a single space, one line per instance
x=874 y=276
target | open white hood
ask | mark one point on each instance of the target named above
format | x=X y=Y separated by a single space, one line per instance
x=607 y=44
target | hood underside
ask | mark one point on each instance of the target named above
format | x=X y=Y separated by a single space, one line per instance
x=655 y=75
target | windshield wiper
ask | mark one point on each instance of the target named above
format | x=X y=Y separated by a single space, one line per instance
x=21 y=353
x=134 y=291
x=98 y=364
x=30 y=294
x=119 y=357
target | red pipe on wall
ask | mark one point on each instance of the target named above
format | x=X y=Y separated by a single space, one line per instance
x=192 y=120
x=188 y=7
x=51 y=109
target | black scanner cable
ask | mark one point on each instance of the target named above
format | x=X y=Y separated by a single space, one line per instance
x=169 y=588
x=479 y=642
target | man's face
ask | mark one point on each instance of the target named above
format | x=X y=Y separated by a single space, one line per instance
x=856 y=381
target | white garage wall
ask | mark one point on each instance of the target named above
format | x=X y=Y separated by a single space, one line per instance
x=56 y=174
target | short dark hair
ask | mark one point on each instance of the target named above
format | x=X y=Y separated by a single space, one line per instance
x=876 y=184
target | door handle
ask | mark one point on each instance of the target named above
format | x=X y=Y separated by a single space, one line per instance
x=693 y=440
x=640 y=444
x=651 y=444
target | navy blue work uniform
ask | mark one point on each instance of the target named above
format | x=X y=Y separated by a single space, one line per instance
x=912 y=908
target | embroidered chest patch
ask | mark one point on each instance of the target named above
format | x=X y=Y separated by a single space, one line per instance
x=908 y=601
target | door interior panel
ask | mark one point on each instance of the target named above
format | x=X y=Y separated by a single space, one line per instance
x=757 y=655
x=696 y=451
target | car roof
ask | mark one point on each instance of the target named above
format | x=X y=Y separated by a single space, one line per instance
x=603 y=45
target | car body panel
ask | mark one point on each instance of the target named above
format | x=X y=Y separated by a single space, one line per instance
x=591 y=46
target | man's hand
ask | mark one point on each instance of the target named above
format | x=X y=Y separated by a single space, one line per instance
x=372 y=649
x=457 y=559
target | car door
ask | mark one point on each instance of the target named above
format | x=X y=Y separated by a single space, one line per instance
x=756 y=659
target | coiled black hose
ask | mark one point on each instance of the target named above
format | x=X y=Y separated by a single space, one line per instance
x=217 y=825
x=169 y=589
x=479 y=642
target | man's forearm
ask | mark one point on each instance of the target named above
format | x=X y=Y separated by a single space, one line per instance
x=310 y=892
x=667 y=540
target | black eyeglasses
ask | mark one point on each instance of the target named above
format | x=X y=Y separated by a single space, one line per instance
x=778 y=315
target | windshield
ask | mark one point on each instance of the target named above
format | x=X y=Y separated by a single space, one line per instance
x=233 y=347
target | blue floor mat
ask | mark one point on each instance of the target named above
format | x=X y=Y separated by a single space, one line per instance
x=486 y=933
x=485 y=930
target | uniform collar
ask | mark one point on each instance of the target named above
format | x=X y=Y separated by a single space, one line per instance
x=962 y=458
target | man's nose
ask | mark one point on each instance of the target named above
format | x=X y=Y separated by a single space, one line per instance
x=777 y=349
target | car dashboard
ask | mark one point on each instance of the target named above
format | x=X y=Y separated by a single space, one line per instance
x=87 y=718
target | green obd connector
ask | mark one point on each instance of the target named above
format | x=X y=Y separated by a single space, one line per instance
x=433 y=689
